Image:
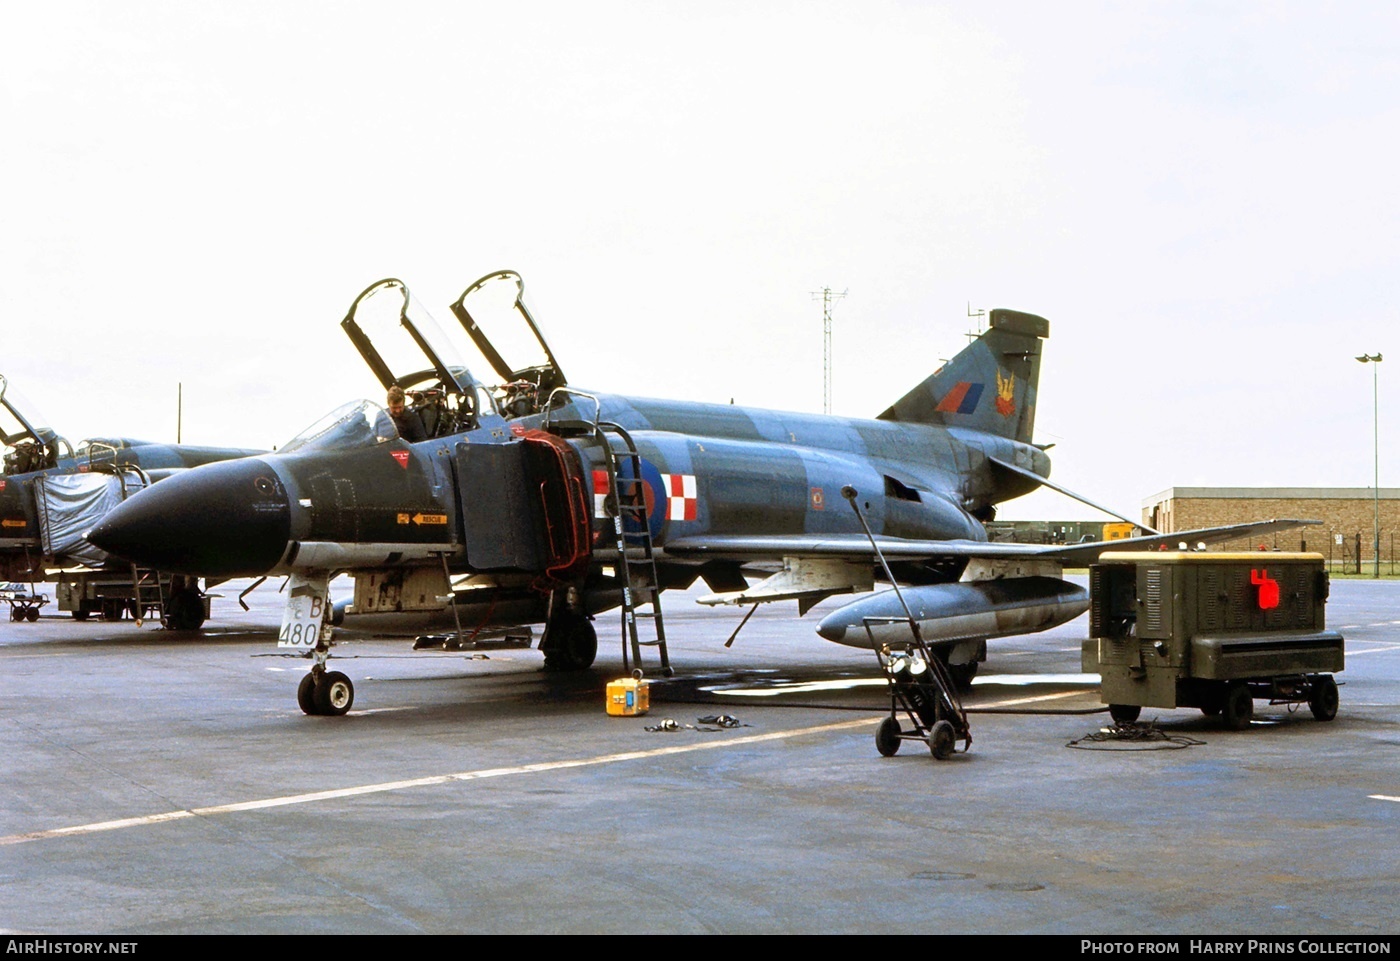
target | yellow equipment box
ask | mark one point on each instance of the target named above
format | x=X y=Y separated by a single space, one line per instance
x=628 y=696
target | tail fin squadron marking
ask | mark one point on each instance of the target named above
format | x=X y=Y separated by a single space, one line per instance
x=1006 y=391
x=1007 y=354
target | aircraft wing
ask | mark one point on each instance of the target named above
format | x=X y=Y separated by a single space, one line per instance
x=857 y=547
x=1080 y=554
x=838 y=546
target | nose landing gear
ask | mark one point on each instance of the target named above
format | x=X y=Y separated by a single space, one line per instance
x=325 y=693
x=306 y=628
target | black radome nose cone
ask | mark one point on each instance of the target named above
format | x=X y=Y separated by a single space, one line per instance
x=222 y=520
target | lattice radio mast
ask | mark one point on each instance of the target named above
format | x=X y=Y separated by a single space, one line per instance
x=827 y=296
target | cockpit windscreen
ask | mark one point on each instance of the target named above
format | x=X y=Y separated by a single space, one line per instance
x=360 y=423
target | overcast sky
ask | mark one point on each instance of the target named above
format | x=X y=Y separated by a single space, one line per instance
x=1200 y=197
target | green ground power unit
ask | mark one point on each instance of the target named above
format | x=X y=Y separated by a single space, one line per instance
x=1213 y=631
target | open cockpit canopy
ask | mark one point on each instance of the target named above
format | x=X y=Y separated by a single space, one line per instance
x=397 y=336
x=29 y=443
x=516 y=351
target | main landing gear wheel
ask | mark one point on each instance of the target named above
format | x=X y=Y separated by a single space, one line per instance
x=887 y=737
x=1324 y=700
x=962 y=675
x=1239 y=707
x=185 y=611
x=570 y=644
x=1124 y=713
x=942 y=739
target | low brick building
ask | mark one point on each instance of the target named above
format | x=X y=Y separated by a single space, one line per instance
x=1348 y=516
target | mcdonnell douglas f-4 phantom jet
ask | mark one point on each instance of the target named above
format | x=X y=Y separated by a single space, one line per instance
x=52 y=491
x=549 y=503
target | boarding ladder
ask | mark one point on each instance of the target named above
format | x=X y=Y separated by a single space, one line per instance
x=147 y=594
x=636 y=555
x=633 y=552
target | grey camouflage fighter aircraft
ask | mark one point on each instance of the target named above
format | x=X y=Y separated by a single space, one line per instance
x=51 y=491
x=537 y=501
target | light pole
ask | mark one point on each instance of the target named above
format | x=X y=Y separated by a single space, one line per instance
x=1376 y=422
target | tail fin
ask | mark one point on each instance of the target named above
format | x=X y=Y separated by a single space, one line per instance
x=989 y=386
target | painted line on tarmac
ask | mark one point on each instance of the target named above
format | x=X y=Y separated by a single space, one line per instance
x=1388 y=649
x=387 y=786
x=1029 y=700
x=1383 y=797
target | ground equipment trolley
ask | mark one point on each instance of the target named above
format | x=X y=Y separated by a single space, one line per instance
x=1214 y=631
x=24 y=602
x=920 y=684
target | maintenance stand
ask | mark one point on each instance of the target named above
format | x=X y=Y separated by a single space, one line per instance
x=1212 y=631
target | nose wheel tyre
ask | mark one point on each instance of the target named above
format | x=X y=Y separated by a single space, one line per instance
x=333 y=694
x=306 y=694
x=327 y=693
